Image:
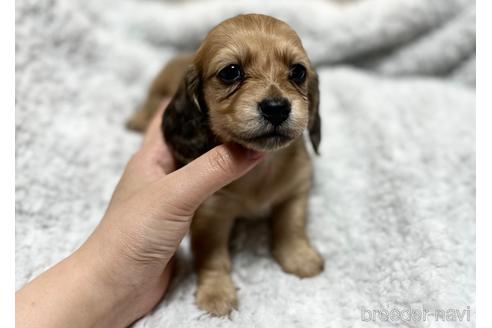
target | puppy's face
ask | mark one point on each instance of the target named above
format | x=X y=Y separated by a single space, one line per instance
x=252 y=83
x=255 y=81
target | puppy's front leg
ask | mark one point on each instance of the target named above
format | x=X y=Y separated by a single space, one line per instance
x=216 y=292
x=290 y=245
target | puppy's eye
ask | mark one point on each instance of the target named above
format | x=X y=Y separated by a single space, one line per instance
x=297 y=73
x=230 y=74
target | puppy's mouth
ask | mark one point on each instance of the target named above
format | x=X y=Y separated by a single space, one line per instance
x=273 y=135
x=265 y=141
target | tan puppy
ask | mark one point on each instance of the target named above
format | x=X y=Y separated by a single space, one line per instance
x=250 y=83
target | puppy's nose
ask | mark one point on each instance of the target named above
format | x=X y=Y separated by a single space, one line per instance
x=275 y=110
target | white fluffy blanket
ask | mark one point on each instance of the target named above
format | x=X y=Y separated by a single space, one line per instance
x=393 y=208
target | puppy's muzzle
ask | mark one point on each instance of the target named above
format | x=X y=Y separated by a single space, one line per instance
x=274 y=110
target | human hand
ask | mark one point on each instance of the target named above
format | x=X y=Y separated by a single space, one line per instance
x=123 y=269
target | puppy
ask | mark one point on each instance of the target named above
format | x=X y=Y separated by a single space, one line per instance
x=250 y=82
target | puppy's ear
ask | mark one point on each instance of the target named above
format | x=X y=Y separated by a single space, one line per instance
x=314 y=124
x=185 y=124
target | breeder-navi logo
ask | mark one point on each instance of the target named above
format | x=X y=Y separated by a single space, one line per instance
x=414 y=315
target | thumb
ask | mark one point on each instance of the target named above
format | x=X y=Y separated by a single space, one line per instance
x=198 y=180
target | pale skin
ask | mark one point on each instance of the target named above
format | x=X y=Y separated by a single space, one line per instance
x=124 y=268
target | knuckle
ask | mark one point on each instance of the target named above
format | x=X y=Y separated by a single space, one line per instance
x=179 y=211
x=221 y=160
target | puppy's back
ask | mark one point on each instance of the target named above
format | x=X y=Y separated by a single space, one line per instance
x=167 y=81
x=165 y=84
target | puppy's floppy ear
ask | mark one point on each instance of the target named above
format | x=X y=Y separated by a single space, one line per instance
x=314 y=124
x=185 y=124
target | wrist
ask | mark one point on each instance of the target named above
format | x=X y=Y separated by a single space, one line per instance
x=110 y=302
x=127 y=288
x=99 y=304
x=68 y=294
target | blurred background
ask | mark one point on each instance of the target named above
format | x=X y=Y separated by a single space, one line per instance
x=393 y=206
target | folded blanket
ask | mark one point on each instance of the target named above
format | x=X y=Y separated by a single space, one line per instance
x=393 y=206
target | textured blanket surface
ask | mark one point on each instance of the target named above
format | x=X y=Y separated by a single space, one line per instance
x=393 y=206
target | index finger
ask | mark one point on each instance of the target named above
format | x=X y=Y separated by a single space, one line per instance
x=153 y=134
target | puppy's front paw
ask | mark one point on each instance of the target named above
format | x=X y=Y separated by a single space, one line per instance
x=299 y=259
x=217 y=295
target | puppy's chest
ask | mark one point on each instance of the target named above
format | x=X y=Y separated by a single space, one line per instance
x=254 y=195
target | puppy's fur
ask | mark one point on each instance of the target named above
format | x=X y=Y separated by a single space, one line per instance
x=205 y=111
